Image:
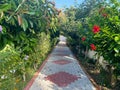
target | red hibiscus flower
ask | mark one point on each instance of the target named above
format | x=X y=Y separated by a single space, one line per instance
x=104 y=15
x=96 y=29
x=93 y=47
x=83 y=38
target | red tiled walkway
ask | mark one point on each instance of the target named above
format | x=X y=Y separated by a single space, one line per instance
x=60 y=71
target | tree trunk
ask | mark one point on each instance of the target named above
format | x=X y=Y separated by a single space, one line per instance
x=86 y=52
x=112 y=77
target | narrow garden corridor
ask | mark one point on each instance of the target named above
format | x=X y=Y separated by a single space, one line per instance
x=87 y=56
x=61 y=71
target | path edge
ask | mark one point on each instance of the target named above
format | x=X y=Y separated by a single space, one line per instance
x=97 y=87
x=37 y=73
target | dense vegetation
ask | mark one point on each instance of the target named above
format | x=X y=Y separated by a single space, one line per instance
x=28 y=31
x=30 y=28
x=95 y=25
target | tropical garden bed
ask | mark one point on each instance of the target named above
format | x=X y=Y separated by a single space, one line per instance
x=94 y=26
x=29 y=29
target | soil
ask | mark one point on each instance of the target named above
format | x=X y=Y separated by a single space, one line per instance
x=99 y=79
x=95 y=75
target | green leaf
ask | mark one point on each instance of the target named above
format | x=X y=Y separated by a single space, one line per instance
x=31 y=13
x=43 y=1
x=22 y=36
x=3 y=42
x=12 y=21
x=116 y=50
x=116 y=18
x=24 y=24
x=117 y=54
x=31 y=23
x=117 y=39
x=4 y=7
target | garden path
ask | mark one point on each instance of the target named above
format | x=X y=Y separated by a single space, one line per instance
x=60 y=71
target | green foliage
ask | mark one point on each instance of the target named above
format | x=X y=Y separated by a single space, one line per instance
x=14 y=64
x=107 y=40
x=27 y=17
x=29 y=31
x=104 y=14
x=10 y=63
x=41 y=50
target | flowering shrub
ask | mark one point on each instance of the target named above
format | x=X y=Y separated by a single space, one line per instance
x=106 y=35
x=93 y=47
x=104 y=15
x=102 y=32
x=83 y=38
x=100 y=24
x=96 y=29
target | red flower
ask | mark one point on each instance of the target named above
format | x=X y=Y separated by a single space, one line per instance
x=93 y=47
x=104 y=15
x=96 y=29
x=83 y=38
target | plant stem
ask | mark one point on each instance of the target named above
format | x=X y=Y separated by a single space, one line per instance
x=23 y=1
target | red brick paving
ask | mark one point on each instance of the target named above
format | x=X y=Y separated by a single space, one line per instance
x=57 y=77
x=62 y=79
x=62 y=62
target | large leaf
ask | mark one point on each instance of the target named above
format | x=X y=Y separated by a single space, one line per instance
x=43 y=1
x=117 y=39
x=4 y=7
x=3 y=41
x=24 y=24
x=31 y=13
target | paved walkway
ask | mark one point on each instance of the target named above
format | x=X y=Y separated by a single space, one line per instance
x=60 y=71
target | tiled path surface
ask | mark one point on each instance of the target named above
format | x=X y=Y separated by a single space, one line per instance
x=61 y=71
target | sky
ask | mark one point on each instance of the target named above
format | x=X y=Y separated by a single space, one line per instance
x=66 y=3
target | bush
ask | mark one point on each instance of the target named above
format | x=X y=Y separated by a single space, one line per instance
x=16 y=68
